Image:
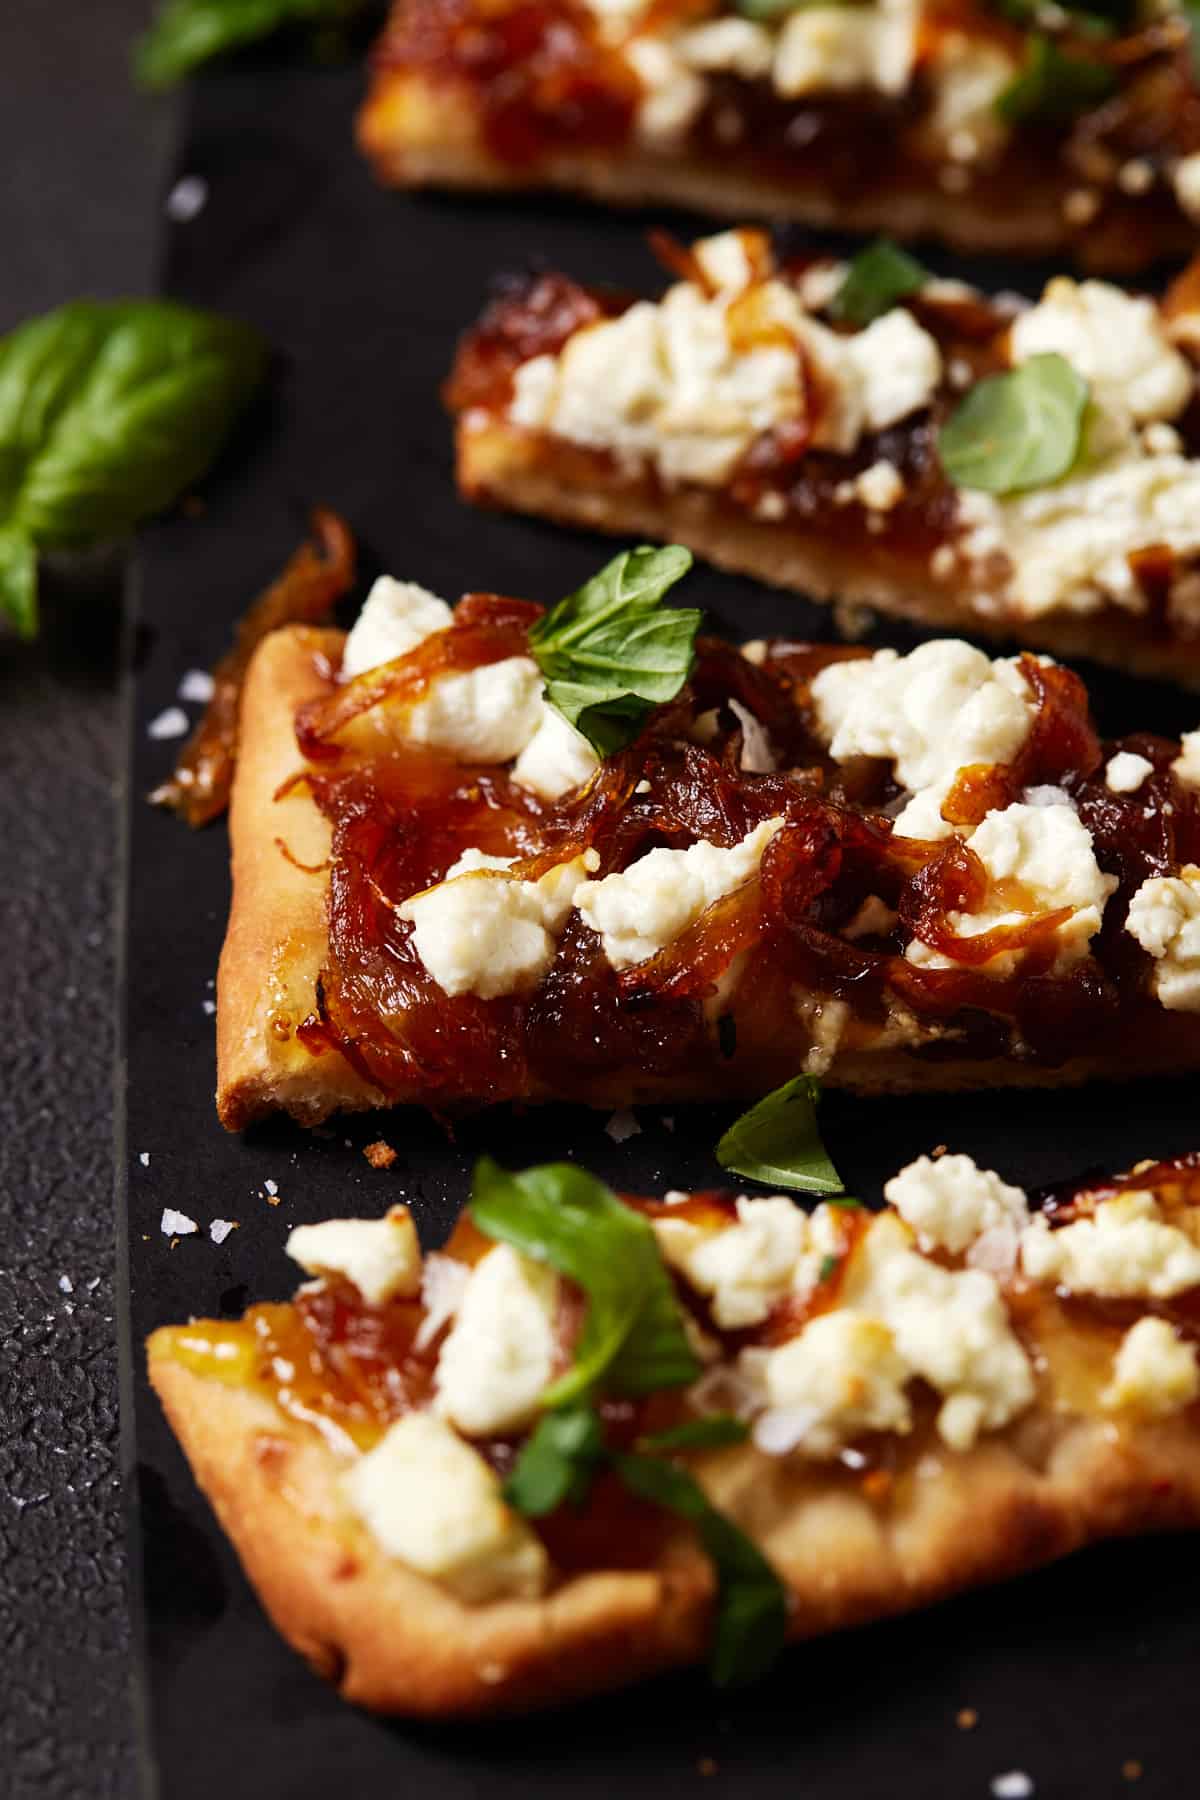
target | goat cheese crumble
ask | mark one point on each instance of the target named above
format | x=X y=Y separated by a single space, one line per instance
x=1154 y=1371
x=1125 y=1249
x=499 y=1355
x=382 y=1257
x=1164 y=917
x=485 y=932
x=432 y=1502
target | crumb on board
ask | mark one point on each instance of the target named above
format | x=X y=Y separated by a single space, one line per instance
x=1131 y=1769
x=176 y=1224
x=622 y=1125
x=380 y=1154
x=171 y=722
x=966 y=1718
x=707 y=1765
x=938 y=1150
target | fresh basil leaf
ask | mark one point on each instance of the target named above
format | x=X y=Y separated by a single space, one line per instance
x=778 y=1142
x=108 y=410
x=610 y=651
x=878 y=277
x=712 y=1433
x=18 y=581
x=557 y=1462
x=633 y=1337
x=1053 y=86
x=1018 y=430
x=751 y=1618
x=186 y=33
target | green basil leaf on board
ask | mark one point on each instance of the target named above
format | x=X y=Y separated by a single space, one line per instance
x=1018 y=430
x=610 y=651
x=185 y=34
x=751 y=1620
x=108 y=411
x=633 y=1338
x=1052 y=86
x=879 y=276
x=711 y=1433
x=778 y=1141
x=18 y=581
x=556 y=1462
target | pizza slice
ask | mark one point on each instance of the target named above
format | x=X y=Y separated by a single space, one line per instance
x=994 y=127
x=595 y=1436
x=496 y=853
x=868 y=434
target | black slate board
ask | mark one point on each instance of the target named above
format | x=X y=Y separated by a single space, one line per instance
x=1072 y=1672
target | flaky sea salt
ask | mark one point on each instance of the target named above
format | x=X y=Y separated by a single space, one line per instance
x=172 y=722
x=622 y=1125
x=187 y=199
x=220 y=1229
x=176 y=1224
x=197 y=685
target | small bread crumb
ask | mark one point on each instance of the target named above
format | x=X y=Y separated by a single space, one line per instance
x=967 y=1718
x=707 y=1765
x=380 y=1154
x=1132 y=1769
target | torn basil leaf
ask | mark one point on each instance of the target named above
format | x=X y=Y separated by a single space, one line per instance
x=108 y=411
x=633 y=1339
x=1052 y=86
x=185 y=34
x=777 y=1142
x=879 y=277
x=751 y=1617
x=711 y=1433
x=1018 y=430
x=557 y=1462
x=611 y=651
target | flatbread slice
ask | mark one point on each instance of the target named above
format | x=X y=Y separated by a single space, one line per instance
x=1001 y=135
x=867 y=435
x=1030 y=1414
x=896 y=873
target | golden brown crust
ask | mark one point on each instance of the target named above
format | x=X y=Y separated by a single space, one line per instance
x=277 y=938
x=419 y=133
x=394 y=1641
x=500 y=465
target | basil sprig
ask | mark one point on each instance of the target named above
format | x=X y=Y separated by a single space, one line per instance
x=610 y=651
x=633 y=1342
x=879 y=277
x=187 y=33
x=751 y=1622
x=1019 y=430
x=108 y=410
x=778 y=1142
x=1053 y=86
x=633 y=1337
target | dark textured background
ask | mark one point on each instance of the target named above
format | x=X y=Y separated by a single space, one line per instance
x=81 y=164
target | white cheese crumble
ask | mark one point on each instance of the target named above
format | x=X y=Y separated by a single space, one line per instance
x=648 y=905
x=825 y=49
x=499 y=1356
x=396 y=616
x=176 y=1224
x=432 y=1502
x=1066 y=548
x=940 y=708
x=1186 y=767
x=382 y=1257
x=746 y=1268
x=1125 y=1250
x=949 y=1327
x=739 y=46
x=949 y=1202
x=672 y=384
x=672 y=94
x=1154 y=1371
x=484 y=932
x=485 y=715
x=1038 y=859
x=1115 y=341
x=880 y=487
x=968 y=76
x=841 y=1377
x=1164 y=917
x=556 y=759
x=1185 y=179
x=1125 y=772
